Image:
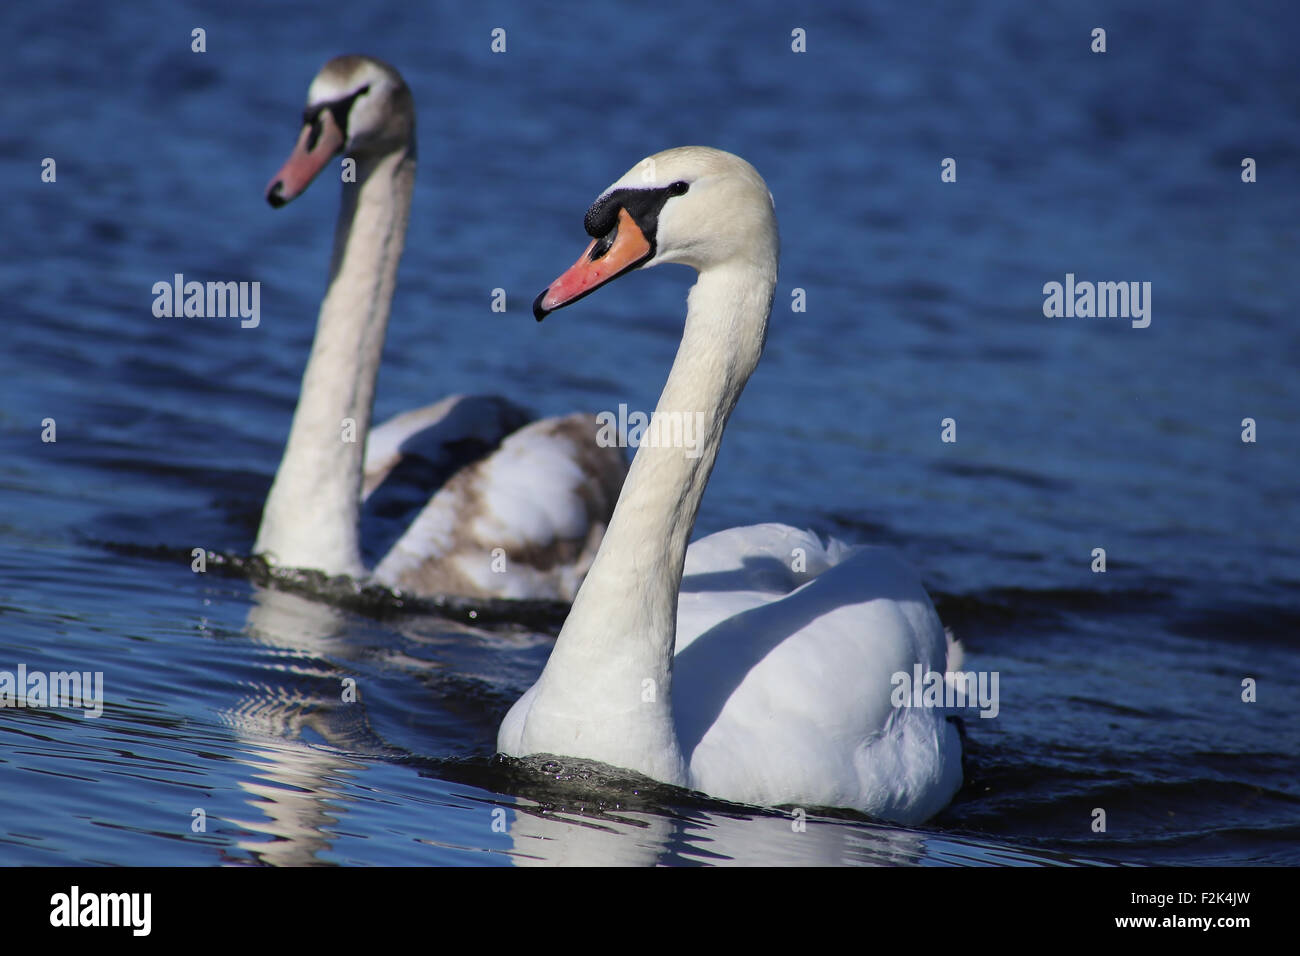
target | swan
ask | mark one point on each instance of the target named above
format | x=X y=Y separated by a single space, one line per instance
x=520 y=506
x=721 y=668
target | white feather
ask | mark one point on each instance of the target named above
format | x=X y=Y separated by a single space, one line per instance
x=758 y=665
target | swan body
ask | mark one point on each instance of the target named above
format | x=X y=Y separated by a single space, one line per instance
x=720 y=667
x=486 y=531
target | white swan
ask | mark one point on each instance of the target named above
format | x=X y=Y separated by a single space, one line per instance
x=759 y=684
x=520 y=510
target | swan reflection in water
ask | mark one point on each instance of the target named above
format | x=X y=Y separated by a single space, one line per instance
x=310 y=752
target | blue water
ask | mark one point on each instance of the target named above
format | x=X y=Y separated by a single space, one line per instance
x=1120 y=691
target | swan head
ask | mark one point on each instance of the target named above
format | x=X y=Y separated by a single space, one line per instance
x=694 y=205
x=357 y=106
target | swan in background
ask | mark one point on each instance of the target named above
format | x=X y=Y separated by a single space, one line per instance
x=758 y=683
x=519 y=508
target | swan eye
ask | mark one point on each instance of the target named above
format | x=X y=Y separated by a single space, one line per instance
x=339 y=109
x=342 y=109
x=677 y=188
x=315 y=133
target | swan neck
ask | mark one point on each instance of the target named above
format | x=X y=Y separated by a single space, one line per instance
x=312 y=512
x=726 y=325
x=610 y=672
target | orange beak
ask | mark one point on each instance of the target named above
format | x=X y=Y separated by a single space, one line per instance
x=319 y=141
x=606 y=258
